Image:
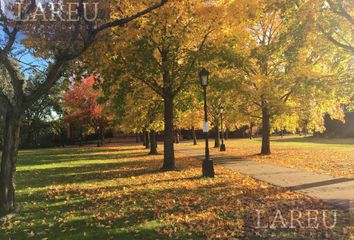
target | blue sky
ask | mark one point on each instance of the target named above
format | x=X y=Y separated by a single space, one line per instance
x=26 y=57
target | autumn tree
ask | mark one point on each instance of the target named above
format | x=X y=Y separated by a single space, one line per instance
x=221 y=94
x=136 y=109
x=56 y=43
x=190 y=112
x=82 y=108
x=164 y=55
x=335 y=22
x=276 y=70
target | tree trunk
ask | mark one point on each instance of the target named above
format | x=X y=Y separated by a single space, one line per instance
x=80 y=141
x=177 y=136
x=143 y=136
x=102 y=137
x=8 y=161
x=251 y=130
x=147 y=140
x=153 y=143
x=98 y=136
x=137 y=138
x=265 y=131
x=217 y=137
x=194 y=136
x=169 y=153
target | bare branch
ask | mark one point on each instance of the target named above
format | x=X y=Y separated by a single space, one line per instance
x=12 y=34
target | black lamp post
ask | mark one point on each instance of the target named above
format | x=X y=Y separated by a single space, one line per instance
x=208 y=165
x=222 y=146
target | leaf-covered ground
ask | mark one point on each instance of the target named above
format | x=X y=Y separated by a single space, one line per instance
x=118 y=193
x=329 y=156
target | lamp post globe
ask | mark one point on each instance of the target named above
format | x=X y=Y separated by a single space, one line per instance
x=204 y=77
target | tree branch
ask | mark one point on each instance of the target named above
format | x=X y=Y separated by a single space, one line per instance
x=335 y=42
x=182 y=84
x=286 y=96
x=152 y=83
x=16 y=83
x=52 y=77
x=123 y=21
x=12 y=35
x=338 y=9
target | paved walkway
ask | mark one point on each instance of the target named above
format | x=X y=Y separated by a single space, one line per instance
x=336 y=191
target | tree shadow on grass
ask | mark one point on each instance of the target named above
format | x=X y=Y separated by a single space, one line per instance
x=79 y=174
x=136 y=214
x=134 y=209
x=72 y=155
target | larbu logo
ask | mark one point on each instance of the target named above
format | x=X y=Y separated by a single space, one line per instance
x=297 y=219
x=50 y=10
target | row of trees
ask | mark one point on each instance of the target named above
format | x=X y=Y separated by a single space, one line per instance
x=272 y=64
x=278 y=63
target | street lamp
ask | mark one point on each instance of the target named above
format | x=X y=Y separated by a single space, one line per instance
x=208 y=165
x=222 y=146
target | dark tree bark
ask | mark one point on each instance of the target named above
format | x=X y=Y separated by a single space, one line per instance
x=265 y=131
x=8 y=163
x=251 y=130
x=147 y=140
x=217 y=137
x=81 y=137
x=169 y=153
x=153 y=143
x=102 y=135
x=194 y=136
x=143 y=137
x=137 y=137
x=98 y=136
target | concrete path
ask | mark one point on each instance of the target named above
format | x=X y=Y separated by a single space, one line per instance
x=336 y=191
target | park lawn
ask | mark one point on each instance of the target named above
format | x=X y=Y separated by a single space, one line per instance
x=118 y=193
x=329 y=156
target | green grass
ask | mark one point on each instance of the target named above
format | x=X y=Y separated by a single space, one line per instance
x=118 y=193
x=39 y=171
x=341 y=144
x=321 y=155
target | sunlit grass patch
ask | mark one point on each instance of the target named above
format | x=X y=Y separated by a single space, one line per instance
x=320 y=155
